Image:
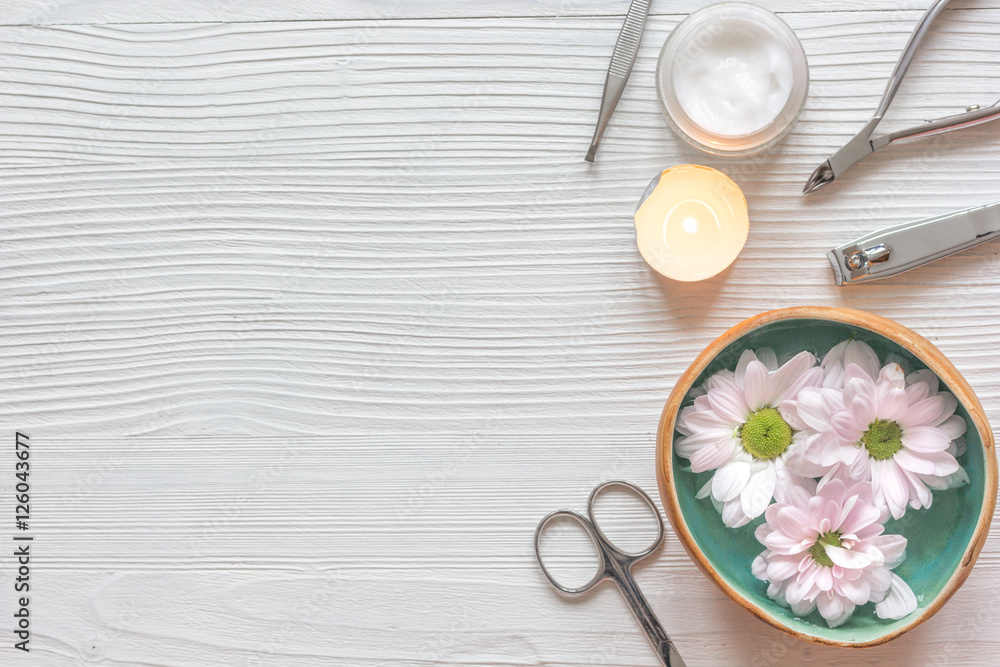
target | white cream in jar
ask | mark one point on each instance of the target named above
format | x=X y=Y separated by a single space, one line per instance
x=732 y=78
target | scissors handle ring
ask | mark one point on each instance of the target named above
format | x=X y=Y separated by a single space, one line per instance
x=591 y=532
x=607 y=543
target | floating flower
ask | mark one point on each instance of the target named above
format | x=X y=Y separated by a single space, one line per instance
x=900 y=433
x=827 y=551
x=742 y=428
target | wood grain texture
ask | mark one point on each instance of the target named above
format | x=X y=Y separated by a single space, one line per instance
x=311 y=321
x=56 y=12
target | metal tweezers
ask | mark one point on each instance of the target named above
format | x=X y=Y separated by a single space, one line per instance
x=622 y=60
x=865 y=144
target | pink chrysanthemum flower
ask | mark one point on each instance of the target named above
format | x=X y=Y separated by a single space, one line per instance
x=901 y=434
x=828 y=552
x=740 y=428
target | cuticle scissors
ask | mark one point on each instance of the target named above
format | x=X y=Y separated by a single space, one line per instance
x=864 y=144
x=616 y=565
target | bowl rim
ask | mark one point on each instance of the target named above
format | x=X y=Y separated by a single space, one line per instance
x=924 y=350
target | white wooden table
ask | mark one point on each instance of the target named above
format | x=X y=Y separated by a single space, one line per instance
x=312 y=310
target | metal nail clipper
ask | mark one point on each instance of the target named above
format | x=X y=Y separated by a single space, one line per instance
x=865 y=144
x=896 y=249
x=622 y=60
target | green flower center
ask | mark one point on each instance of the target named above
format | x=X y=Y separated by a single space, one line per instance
x=819 y=553
x=765 y=434
x=882 y=439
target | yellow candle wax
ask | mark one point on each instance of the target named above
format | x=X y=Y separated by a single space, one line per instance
x=693 y=224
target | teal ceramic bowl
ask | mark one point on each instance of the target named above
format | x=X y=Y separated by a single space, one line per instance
x=943 y=541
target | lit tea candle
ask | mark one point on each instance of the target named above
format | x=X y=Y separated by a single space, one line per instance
x=692 y=222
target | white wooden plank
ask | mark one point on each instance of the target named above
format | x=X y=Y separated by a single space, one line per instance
x=49 y=12
x=311 y=90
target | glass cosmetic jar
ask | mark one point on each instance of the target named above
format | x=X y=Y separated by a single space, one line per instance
x=732 y=79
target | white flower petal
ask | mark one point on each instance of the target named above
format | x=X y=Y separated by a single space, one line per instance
x=815 y=406
x=862 y=355
x=831 y=606
x=790 y=413
x=824 y=579
x=767 y=357
x=732 y=514
x=723 y=377
x=953 y=427
x=893 y=375
x=887 y=478
x=802 y=587
x=910 y=460
x=920 y=493
x=712 y=456
x=926 y=377
x=861 y=516
x=844 y=617
x=705 y=491
x=893 y=404
x=958 y=478
x=899 y=602
x=759 y=491
x=957 y=447
x=847 y=558
x=846 y=426
x=760 y=566
x=813 y=377
x=793 y=522
x=788 y=376
x=730 y=480
x=792 y=489
x=927 y=412
x=757 y=386
x=803 y=608
x=944 y=463
x=858 y=591
x=681 y=424
x=917 y=392
x=780 y=543
x=780 y=568
x=727 y=401
x=925 y=439
x=879 y=578
x=741 y=366
x=861 y=467
x=689 y=445
x=893 y=548
x=857 y=383
x=708 y=420
x=951 y=404
x=798 y=464
x=836 y=353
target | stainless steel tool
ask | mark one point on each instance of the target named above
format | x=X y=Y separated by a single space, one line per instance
x=896 y=249
x=615 y=565
x=864 y=144
x=621 y=66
